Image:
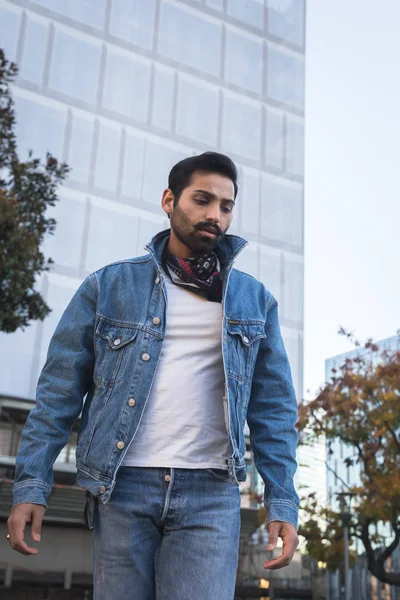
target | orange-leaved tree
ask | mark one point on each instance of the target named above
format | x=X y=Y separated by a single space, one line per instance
x=360 y=406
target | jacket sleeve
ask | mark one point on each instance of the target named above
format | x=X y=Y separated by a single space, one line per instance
x=61 y=388
x=272 y=416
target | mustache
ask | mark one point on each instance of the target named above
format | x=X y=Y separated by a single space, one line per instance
x=216 y=228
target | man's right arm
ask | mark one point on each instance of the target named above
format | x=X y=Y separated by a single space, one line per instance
x=62 y=386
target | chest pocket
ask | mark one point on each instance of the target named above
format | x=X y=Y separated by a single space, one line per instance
x=243 y=343
x=114 y=349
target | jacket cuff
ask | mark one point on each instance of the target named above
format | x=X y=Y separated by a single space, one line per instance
x=282 y=510
x=33 y=491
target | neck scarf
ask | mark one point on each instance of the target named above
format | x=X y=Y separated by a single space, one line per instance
x=200 y=274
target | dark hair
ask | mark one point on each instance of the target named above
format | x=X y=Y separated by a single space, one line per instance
x=181 y=174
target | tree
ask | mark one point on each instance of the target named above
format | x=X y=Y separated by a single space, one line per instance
x=27 y=189
x=361 y=407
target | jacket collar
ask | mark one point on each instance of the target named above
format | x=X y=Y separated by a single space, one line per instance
x=227 y=250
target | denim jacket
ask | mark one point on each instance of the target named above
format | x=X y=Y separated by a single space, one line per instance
x=102 y=360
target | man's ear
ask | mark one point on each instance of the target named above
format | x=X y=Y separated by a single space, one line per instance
x=167 y=202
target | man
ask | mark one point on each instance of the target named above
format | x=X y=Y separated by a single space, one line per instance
x=173 y=351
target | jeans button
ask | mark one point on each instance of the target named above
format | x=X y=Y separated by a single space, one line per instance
x=120 y=445
x=102 y=489
x=167 y=478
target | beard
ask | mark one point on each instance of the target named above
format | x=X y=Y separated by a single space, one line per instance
x=192 y=236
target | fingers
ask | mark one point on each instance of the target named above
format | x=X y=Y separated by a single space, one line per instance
x=20 y=516
x=288 y=534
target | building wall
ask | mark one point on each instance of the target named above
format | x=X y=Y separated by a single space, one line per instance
x=123 y=90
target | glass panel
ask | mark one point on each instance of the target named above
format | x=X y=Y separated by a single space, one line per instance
x=282 y=212
x=295 y=147
x=247 y=260
x=163 y=98
x=39 y=127
x=107 y=158
x=159 y=161
x=249 y=202
x=9 y=29
x=215 y=4
x=243 y=60
x=35 y=42
x=90 y=12
x=149 y=226
x=80 y=148
x=133 y=21
x=248 y=11
x=292 y=343
x=65 y=246
x=16 y=353
x=112 y=236
x=126 y=86
x=271 y=270
x=241 y=127
x=133 y=166
x=190 y=39
x=285 y=78
x=75 y=66
x=197 y=115
x=274 y=139
x=293 y=288
x=286 y=20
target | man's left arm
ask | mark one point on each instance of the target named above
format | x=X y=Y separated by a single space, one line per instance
x=272 y=416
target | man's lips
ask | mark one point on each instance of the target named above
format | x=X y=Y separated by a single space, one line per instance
x=209 y=231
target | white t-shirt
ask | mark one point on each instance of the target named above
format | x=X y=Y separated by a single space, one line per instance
x=184 y=424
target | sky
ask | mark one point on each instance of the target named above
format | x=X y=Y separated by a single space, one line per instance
x=352 y=177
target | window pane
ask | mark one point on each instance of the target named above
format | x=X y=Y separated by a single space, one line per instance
x=248 y=260
x=112 y=235
x=243 y=62
x=163 y=98
x=158 y=163
x=271 y=270
x=249 y=201
x=65 y=246
x=241 y=127
x=16 y=353
x=293 y=288
x=40 y=128
x=126 y=86
x=286 y=20
x=293 y=346
x=282 y=211
x=274 y=139
x=285 y=78
x=34 y=50
x=133 y=21
x=149 y=226
x=90 y=12
x=190 y=39
x=295 y=147
x=133 y=166
x=80 y=148
x=215 y=4
x=107 y=158
x=197 y=115
x=248 y=11
x=75 y=66
x=9 y=29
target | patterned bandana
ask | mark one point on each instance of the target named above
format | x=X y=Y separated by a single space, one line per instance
x=200 y=274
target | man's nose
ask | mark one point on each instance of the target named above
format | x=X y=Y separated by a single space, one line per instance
x=213 y=214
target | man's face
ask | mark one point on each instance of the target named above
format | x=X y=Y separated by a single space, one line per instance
x=203 y=213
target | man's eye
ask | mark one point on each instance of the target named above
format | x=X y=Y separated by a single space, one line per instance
x=226 y=209
x=201 y=201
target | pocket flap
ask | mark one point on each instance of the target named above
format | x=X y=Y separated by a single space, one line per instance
x=116 y=335
x=248 y=332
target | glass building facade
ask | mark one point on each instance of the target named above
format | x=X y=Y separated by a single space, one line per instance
x=123 y=89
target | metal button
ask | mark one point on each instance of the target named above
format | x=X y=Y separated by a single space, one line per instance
x=246 y=339
x=167 y=478
x=117 y=342
x=120 y=445
x=102 y=489
x=146 y=357
x=157 y=280
x=131 y=402
x=156 y=321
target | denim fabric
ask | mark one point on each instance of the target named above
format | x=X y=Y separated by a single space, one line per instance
x=106 y=347
x=168 y=540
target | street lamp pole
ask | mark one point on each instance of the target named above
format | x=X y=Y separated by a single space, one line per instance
x=345 y=515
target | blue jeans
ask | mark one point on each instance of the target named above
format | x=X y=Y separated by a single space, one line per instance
x=167 y=534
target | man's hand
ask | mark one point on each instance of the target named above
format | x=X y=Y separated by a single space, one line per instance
x=288 y=534
x=21 y=515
